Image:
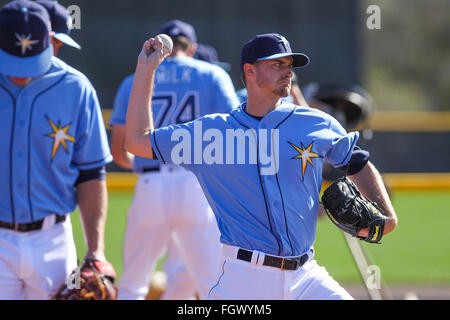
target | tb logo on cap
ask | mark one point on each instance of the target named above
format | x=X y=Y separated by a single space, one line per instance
x=286 y=44
x=25 y=42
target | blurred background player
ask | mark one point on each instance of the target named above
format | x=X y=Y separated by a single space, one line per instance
x=208 y=53
x=350 y=105
x=168 y=203
x=296 y=93
x=174 y=282
x=61 y=25
x=60 y=121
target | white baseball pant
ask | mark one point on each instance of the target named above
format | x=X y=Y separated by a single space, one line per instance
x=169 y=204
x=179 y=283
x=242 y=280
x=33 y=265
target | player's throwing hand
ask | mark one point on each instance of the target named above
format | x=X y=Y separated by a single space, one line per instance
x=155 y=50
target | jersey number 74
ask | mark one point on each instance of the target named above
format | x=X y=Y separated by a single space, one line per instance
x=169 y=109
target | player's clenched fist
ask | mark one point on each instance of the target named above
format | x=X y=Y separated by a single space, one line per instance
x=155 y=50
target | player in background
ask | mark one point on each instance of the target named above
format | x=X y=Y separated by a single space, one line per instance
x=61 y=25
x=174 y=282
x=296 y=93
x=53 y=154
x=208 y=53
x=352 y=106
x=267 y=208
x=168 y=203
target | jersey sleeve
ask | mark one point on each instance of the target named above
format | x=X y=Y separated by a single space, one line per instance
x=224 y=95
x=119 y=113
x=341 y=144
x=174 y=144
x=183 y=144
x=91 y=146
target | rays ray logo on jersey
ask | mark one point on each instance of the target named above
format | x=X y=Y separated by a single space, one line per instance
x=306 y=155
x=59 y=135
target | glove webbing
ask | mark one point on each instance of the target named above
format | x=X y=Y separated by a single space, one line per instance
x=376 y=228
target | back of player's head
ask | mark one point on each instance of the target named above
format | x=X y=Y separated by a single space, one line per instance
x=182 y=33
x=209 y=54
x=25 y=44
x=61 y=22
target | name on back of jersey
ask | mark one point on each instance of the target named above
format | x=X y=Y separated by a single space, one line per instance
x=172 y=74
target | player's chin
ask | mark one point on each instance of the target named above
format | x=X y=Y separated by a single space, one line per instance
x=21 y=81
x=284 y=91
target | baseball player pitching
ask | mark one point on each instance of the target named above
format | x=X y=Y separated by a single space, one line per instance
x=168 y=204
x=53 y=153
x=260 y=169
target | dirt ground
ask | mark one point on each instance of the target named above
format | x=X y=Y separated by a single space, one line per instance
x=404 y=292
x=357 y=291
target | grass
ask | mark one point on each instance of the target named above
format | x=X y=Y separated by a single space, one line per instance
x=418 y=251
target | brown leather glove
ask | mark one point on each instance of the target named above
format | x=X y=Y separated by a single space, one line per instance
x=96 y=282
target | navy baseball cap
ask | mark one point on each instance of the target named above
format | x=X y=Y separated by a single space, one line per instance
x=270 y=46
x=175 y=28
x=61 y=22
x=209 y=54
x=25 y=46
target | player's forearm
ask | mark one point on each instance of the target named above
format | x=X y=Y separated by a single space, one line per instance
x=371 y=185
x=92 y=199
x=298 y=96
x=121 y=156
x=139 y=121
x=139 y=115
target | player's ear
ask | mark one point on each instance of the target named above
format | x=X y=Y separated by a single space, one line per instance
x=249 y=70
x=192 y=49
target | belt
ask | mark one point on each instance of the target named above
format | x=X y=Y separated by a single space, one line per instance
x=143 y=170
x=164 y=168
x=27 y=227
x=277 y=262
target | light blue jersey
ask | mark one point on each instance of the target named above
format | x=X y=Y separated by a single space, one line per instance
x=266 y=198
x=50 y=130
x=185 y=89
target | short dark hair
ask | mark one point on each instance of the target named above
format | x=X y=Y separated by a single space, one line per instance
x=182 y=42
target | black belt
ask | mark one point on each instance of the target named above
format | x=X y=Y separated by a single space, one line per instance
x=149 y=169
x=27 y=227
x=142 y=170
x=277 y=262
